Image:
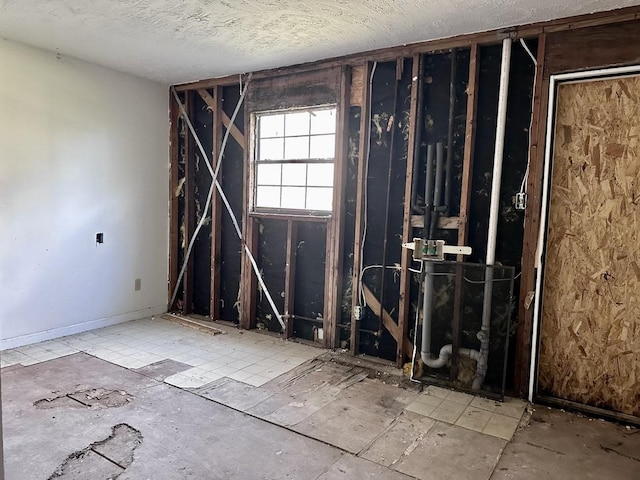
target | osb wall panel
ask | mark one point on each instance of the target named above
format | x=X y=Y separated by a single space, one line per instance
x=590 y=339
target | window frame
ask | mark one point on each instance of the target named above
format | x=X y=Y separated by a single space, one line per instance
x=256 y=210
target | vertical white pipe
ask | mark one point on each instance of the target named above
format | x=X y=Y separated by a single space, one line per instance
x=427 y=305
x=496 y=180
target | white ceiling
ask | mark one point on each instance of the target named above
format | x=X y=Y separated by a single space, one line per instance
x=174 y=41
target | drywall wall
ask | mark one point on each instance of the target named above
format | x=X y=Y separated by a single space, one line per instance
x=83 y=149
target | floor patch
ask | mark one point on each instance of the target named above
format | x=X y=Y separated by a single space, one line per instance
x=103 y=460
x=96 y=399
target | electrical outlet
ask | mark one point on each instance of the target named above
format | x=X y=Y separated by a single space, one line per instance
x=358 y=312
x=100 y=237
x=138 y=284
x=521 y=201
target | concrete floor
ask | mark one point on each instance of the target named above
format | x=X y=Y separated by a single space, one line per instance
x=82 y=417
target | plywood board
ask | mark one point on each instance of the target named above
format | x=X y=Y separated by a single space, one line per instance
x=590 y=335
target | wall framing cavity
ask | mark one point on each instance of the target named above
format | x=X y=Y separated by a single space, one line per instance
x=344 y=280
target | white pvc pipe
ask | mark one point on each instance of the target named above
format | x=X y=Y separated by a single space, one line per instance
x=445 y=354
x=546 y=186
x=501 y=122
x=427 y=305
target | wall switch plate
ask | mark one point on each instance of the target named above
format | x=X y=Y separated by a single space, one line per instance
x=100 y=237
x=138 y=284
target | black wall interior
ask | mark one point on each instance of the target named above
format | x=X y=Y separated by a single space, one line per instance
x=388 y=148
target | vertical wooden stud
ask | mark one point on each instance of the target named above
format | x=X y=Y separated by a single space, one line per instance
x=465 y=196
x=216 y=209
x=248 y=280
x=174 y=227
x=532 y=221
x=189 y=208
x=363 y=154
x=405 y=259
x=290 y=276
x=335 y=226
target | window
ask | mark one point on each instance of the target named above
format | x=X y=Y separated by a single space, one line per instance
x=294 y=159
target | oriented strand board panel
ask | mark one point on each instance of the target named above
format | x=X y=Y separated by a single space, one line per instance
x=590 y=335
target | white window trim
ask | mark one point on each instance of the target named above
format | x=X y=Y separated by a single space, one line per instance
x=254 y=162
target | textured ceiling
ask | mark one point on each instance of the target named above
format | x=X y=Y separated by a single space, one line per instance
x=174 y=41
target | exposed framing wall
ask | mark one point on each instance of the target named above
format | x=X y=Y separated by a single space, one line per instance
x=591 y=41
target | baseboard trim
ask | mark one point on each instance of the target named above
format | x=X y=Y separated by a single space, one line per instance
x=28 y=339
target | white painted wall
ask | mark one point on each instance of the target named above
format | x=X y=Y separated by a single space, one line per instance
x=83 y=149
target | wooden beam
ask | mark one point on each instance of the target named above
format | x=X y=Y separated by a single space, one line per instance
x=387 y=321
x=333 y=284
x=469 y=145
x=248 y=280
x=290 y=276
x=226 y=121
x=216 y=209
x=407 y=230
x=531 y=221
x=235 y=132
x=444 y=223
x=460 y=41
x=363 y=154
x=189 y=208
x=174 y=223
x=465 y=198
x=358 y=84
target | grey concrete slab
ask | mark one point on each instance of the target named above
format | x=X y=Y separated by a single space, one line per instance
x=354 y=468
x=344 y=426
x=448 y=452
x=377 y=397
x=163 y=369
x=88 y=466
x=270 y=405
x=566 y=446
x=303 y=406
x=234 y=394
x=183 y=435
x=399 y=439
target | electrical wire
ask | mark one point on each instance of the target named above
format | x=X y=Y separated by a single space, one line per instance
x=363 y=301
x=535 y=74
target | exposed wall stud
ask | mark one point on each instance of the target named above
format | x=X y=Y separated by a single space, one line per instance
x=531 y=220
x=363 y=153
x=465 y=197
x=290 y=276
x=174 y=227
x=405 y=259
x=216 y=208
x=335 y=239
x=189 y=208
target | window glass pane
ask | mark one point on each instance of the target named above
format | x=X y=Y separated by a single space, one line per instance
x=296 y=148
x=293 y=197
x=323 y=146
x=268 y=197
x=269 y=174
x=323 y=121
x=320 y=175
x=297 y=123
x=271 y=149
x=294 y=174
x=271 y=126
x=319 y=198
